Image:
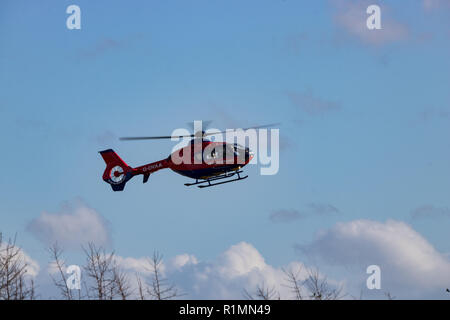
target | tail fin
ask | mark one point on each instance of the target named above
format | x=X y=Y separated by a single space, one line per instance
x=117 y=172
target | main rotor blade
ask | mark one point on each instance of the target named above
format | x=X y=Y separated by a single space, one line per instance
x=254 y=127
x=193 y=135
x=264 y=126
x=154 y=138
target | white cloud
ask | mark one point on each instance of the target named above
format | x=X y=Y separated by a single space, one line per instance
x=241 y=267
x=32 y=266
x=350 y=16
x=52 y=268
x=183 y=260
x=140 y=265
x=72 y=228
x=143 y=265
x=411 y=267
x=240 y=259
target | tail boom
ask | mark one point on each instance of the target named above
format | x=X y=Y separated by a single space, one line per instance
x=118 y=173
x=147 y=169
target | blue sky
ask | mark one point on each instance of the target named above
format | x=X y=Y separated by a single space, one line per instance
x=365 y=121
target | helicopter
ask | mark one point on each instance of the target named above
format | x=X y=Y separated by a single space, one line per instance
x=210 y=163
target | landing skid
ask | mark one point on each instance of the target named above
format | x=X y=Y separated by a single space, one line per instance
x=220 y=177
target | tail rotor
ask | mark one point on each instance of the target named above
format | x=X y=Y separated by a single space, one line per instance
x=117 y=172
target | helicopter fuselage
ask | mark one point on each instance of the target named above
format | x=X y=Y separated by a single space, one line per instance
x=200 y=159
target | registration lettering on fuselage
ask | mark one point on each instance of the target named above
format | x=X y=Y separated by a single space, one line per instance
x=151 y=167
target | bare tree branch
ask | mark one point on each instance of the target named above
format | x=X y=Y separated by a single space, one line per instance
x=141 y=290
x=107 y=280
x=159 y=288
x=60 y=282
x=13 y=273
x=319 y=288
x=389 y=296
x=263 y=293
x=293 y=280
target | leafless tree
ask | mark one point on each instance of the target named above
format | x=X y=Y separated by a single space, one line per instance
x=360 y=295
x=158 y=288
x=141 y=290
x=314 y=287
x=293 y=282
x=319 y=288
x=14 y=284
x=263 y=293
x=107 y=280
x=123 y=287
x=389 y=296
x=60 y=280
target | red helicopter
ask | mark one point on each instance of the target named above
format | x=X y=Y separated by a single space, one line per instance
x=203 y=160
